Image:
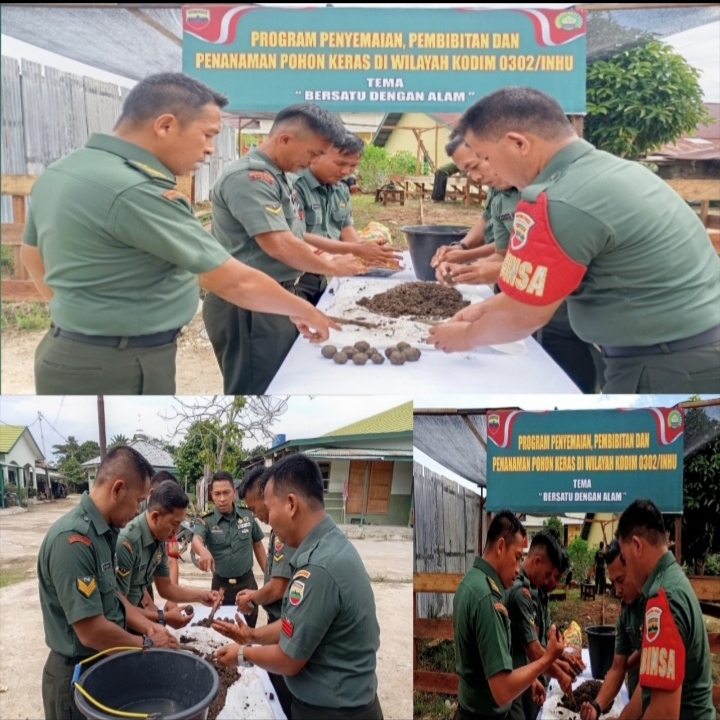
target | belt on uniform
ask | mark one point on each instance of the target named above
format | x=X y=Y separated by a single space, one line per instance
x=469 y=715
x=235 y=580
x=359 y=708
x=70 y=661
x=113 y=341
x=690 y=343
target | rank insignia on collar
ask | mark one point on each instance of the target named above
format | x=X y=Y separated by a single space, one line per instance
x=493 y=585
x=86 y=585
x=151 y=171
x=174 y=195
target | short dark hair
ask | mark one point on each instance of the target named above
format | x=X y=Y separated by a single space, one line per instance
x=613 y=552
x=168 y=496
x=504 y=525
x=222 y=476
x=161 y=477
x=455 y=141
x=516 y=109
x=126 y=463
x=351 y=145
x=251 y=481
x=642 y=517
x=317 y=120
x=544 y=542
x=174 y=93
x=299 y=474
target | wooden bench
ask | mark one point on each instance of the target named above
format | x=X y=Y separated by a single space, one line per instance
x=587 y=591
x=20 y=288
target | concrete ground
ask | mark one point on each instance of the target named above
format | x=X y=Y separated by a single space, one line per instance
x=387 y=554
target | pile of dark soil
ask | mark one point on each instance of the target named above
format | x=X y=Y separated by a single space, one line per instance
x=416 y=299
x=227 y=675
x=586 y=692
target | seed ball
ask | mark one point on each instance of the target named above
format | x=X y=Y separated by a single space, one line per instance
x=360 y=358
x=328 y=351
x=371 y=351
x=349 y=350
x=189 y=610
x=378 y=359
x=389 y=352
x=340 y=358
x=397 y=358
x=362 y=346
x=412 y=354
x=403 y=346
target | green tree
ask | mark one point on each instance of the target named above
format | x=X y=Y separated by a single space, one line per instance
x=373 y=170
x=70 y=468
x=119 y=439
x=640 y=99
x=66 y=450
x=87 y=451
x=555 y=526
x=582 y=558
x=402 y=163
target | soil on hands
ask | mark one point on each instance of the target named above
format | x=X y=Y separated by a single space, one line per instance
x=417 y=300
x=586 y=692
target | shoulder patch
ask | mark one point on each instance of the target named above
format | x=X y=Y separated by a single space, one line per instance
x=81 y=539
x=297 y=590
x=273 y=209
x=150 y=171
x=501 y=608
x=662 y=658
x=86 y=586
x=174 y=195
x=261 y=176
x=494 y=586
x=278 y=558
x=287 y=626
x=527 y=593
x=127 y=544
x=301 y=574
x=278 y=544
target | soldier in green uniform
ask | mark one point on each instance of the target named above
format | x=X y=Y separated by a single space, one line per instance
x=326 y=642
x=82 y=613
x=224 y=541
x=142 y=557
x=116 y=250
x=488 y=684
x=675 y=667
x=527 y=619
x=326 y=211
x=256 y=218
x=628 y=641
x=277 y=572
x=602 y=233
x=600 y=570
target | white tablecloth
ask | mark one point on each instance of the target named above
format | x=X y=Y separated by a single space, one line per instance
x=227 y=612
x=620 y=701
x=306 y=372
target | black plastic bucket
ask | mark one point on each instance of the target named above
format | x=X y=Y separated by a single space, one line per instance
x=424 y=241
x=175 y=684
x=601 y=645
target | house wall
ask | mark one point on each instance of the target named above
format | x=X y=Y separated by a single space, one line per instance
x=400 y=493
x=595 y=537
x=406 y=140
x=22 y=453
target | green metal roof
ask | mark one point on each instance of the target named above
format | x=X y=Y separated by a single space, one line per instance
x=9 y=435
x=397 y=419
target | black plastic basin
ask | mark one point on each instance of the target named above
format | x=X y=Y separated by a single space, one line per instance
x=424 y=241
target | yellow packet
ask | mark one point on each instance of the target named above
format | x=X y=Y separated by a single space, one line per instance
x=573 y=638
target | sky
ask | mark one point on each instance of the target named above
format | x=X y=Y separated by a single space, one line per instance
x=306 y=417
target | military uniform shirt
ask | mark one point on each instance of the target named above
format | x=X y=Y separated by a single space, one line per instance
x=329 y=619
x=482 y=637
x=76 y=576
x=277 y=564
x=252 y=197
x=325 y=209
x=674 y=635
x=646 y=270
x=230 y=539
x=629 y=638
x=524 y=617
x=502 y=212
x=139 y=558
x=121 y=247
x=488 y=232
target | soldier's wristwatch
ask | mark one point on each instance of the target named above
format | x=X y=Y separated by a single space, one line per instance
x=161 y=617
x=147 y=642
x=598 y=710
x=241 y=656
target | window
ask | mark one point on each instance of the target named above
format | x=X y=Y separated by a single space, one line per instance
x=325 y=472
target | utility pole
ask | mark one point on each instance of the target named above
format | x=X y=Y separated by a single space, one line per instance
x=101 y=425
x=48 y=484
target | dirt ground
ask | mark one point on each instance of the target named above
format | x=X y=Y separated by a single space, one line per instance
x=197 y=369
x=22 y=644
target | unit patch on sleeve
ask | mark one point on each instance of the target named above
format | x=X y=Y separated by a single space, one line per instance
x=297 y=590
x=287 y=626
x=86 y=585
x=662 y=658
x=81 y=539
x=261 y=175
x=301 y=574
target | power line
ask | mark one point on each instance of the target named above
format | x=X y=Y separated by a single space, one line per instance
x=57 y=416
x=54 y=428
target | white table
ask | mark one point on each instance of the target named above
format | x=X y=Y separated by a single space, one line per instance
x=620 y=701
x=227 y=612
x=306 y=372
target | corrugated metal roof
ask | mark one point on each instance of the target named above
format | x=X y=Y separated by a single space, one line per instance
x=9 y=435
x=357 y=454
x=156 y=456
x=395 y=420
x=703 y=144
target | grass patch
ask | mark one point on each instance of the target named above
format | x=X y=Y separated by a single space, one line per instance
x=436 y=655
x=378 y=579
x=25 y=316
x=430 y=705
x=8 y=261
x=10 y=576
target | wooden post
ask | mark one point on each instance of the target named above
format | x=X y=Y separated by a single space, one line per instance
x=18 y=209
x=678 y=539
x=101 y=426
x=437 y=139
